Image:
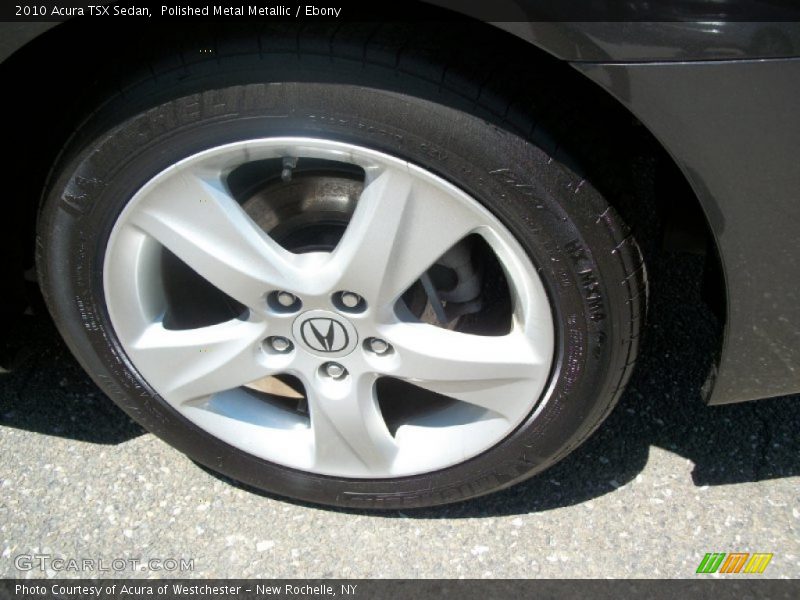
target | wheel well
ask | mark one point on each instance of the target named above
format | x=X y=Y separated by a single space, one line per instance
x=62 y=75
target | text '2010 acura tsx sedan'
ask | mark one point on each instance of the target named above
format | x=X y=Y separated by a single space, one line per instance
x=382 y=265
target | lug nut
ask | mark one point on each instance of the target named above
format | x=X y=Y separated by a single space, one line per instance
x=282 y=302
x=350 y=300
x=286 y=299
x=335 y=370
x=378 y=346
x=280 y=344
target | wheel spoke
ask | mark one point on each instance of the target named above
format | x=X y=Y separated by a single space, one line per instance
x=349 y=430
x=400 y=227
x=198 y=221
x=497 y=373
x=189 y=364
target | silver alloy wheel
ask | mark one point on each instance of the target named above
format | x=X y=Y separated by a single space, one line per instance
x=405 y=219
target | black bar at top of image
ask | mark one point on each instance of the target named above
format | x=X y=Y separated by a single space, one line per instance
x=410 y=10
x=741 y=588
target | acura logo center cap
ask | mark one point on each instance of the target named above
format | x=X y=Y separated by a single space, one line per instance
x=325 y=334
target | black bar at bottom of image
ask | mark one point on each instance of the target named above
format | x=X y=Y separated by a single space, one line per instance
x=399 y=589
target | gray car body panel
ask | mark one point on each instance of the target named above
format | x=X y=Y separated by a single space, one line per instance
x=734 y=130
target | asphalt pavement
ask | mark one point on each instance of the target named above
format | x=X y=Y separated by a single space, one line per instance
x=663 y=482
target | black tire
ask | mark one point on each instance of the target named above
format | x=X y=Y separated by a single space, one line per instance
x=590 y=264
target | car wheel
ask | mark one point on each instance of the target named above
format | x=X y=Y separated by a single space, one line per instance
x=335 y=292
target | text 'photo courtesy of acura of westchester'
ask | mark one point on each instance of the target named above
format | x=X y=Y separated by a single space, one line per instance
x=381 y=263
